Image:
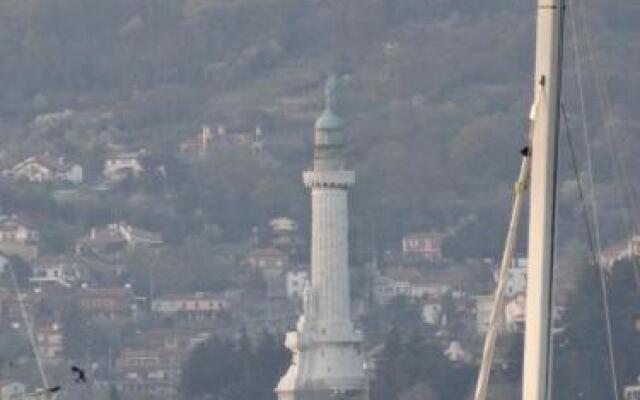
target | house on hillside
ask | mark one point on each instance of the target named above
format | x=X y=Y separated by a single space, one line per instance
x=116 y=237
x=12 y=390
x=483 y=308
x=239 y=138
x=121 y=165
x=197 y=306
x=148 y=372
x=268 y=258
x=62 y=270
x=409 y=282
x=632 y=392
x=18 y=238
x=44 y=168
x=199 y=144
x=297 y=282
x=516 y=277
x=423 y=246
x=175 y=339
x=272 y=264
x=620 y=251
x=13 y=304
x=50 y=340
x=106 y=303
x=285 y=236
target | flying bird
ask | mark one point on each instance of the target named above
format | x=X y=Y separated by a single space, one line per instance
x=80 y=374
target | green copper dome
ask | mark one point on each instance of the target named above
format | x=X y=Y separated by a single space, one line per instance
x=328 y=121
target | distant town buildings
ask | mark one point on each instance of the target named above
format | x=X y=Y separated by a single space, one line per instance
x=121 y=165
x=297 y=281
x=50 y=340
x=423 y=246
x=107 y=303
x=409 y=282
x=199 y=145
x=44 y=168
x=516 y=278
x=632 y=392
x=11 y=390
x=116 y=237
x=62 y=270
x=620 y=251
x=197 y=306
x=18 y=238
x=150 y=372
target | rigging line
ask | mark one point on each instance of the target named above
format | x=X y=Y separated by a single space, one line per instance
x=601 y=273
x=625 y=192
x=585 y=128
x=29 y=326
x=606 y=108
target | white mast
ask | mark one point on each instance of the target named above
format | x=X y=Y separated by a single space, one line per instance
x=547 y=86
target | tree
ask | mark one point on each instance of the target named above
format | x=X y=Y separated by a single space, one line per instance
x=239 y=369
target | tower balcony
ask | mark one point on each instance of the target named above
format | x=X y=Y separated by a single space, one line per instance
x=329 y=179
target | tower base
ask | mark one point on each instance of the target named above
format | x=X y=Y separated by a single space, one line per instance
x=323 y=394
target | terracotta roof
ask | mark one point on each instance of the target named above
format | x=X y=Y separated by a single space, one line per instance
x=423 y=235
x=403 y=274
x=267 y=252
x=55 y=164
x=105 y=292
x=189 y=296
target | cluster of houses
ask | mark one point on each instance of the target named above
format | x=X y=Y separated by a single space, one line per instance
x=200 y=145
x=454 y=299
x=122 y=163
x=90 y=279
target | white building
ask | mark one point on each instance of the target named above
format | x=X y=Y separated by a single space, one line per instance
x=517 y=277
x=44 y=168
x=632 y=392
x=62 y=270
x=11 y=390
x=408 y=282
x=327 y=359
x=196 y=303
x=121 y=165
x=18 y=238
x=432 y=313
x=296 y=284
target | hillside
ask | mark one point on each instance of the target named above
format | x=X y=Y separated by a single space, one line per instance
x=436 y=94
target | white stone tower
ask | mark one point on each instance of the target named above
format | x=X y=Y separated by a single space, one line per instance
x=327 y=360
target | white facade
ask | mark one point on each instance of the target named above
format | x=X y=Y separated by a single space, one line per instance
x=120 y=166
x=45 y=169
x=12 y=391
x=517 y=278
x=632 y=392
x=296 y=284
x=327 y=361
x=432 y=313
x=60 y=270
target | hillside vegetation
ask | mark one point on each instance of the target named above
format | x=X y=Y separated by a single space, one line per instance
x=436 y=94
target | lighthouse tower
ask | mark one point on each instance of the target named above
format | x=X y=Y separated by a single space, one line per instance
x=327 y=360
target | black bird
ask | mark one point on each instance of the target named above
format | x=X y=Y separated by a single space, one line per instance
x=54 y=389
x=80 y=374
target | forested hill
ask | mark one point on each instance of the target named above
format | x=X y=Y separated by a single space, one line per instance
x=436 y=93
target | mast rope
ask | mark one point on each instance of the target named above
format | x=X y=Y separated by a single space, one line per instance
x=625 y=191
x=592 y=245
x=29 y=326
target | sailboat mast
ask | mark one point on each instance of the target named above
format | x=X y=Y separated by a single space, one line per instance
x=547 y=84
